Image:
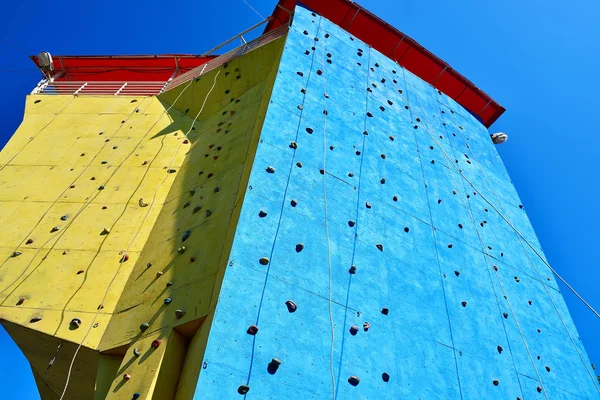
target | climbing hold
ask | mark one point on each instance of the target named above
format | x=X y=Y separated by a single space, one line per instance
x=35 y=319
x=136 y=352
x=262 y=213
x=141 y=202
x=352 y=269
x=29 y=241
x=145 y=162
x=293 y=145
x=369 y=114
x=105 y=231
x=385 y=376
x=517 y=279
x=300 y=107
x=196 y=209
x=406 y=229
x=156 y=343
x=380 y=247
x=291 y=306
x=495 y=268
x=547 y=368
x=505 y=315
x=293 y=203
x=159 y=274
x=101 y=187
x=64 y=218
x=351 y=223
x=319 y=72
x=496 y=382
x=385 y=311
x=179 y=313
x=252 y=330
x=144 y=326
x=353 y=330
x=186 y=205
x=264 y=261
x=186 y=235
x=169 y=284
x=270 y=170
x=243 y=389
x=350 y=174
x=126 y=377
x=464 y=303
x=460 y=226
x=136 y=396
x=124 y=258
x=450 y=246
x=322 y=171
x=539 y=389
x=500 y=349
x=15 y=254
x=167 y=301
x=75 y=323
x=21 y=301
x=368 y=205
x=354 y=380
x=392 y=138
x=382 y=181
x=299 y=247
x=299 y=164
x=192 y=259
x=181 y=250
x=395 y=198
x=383 y=156
x=530 y=302
x=456 y=273
x=366 y=326
x=273 y=366
x=208 y=213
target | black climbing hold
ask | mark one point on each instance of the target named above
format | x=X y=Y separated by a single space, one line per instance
x=354 y=380
x=262 y=213
x=16 y=254
x=369 y=114
x=353 y=330
x=460 y=226
x=351 y=223
x=196 y=209
x=392 y=138
x=293 y=145
x=366 y=326
x=252 y=330
x=299 y=247
x=270 y=169
x=500 y=349
x=264 y=261
x=35 y=319
x=273 y=366
x=385 y=376
x=450 y=246
x=395 y=198
x=300 y=73
x=350 y=174
x=547 y=368
x=380 y=247
x=144 y=326
x=496 y=382
x=243 y=389
x=299 y=164
x=322 y=171
x=385 y=311
x=406 y=229
x=368 y=205
x=464 y=303
x=309 y=130
x=382 y=108
x=539 y=389
x=505 y=315
x=167 y=301
x=291 y=306
x=293 y=203
x=382 y=181
x=352 y=269
x=456 y=273
x=319 y=72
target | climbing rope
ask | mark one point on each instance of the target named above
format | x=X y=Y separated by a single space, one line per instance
x=139 y=229
x=331 y=350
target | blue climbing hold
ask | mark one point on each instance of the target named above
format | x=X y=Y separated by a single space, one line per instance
x=186 y=235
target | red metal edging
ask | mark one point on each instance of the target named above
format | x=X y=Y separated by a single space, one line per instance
x=399 y=47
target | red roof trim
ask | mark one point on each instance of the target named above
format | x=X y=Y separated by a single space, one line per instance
x=127 y=68
x=396 y=45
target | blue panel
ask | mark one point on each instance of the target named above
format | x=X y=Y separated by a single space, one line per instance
x=383 y=224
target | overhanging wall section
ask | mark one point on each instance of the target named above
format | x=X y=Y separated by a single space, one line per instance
x=359 y=210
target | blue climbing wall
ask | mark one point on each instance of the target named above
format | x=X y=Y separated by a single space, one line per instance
x=379 y=207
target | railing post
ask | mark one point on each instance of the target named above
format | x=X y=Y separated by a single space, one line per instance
x=121 y=88
x=80 y=89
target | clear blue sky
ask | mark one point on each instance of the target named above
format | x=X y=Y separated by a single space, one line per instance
x=537 y=58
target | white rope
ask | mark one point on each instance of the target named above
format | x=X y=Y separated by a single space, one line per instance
x=332 y=347
x=139 y=229
x=253 y=9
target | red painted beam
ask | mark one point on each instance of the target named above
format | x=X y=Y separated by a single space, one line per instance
x=399 y=47
x=124 y=68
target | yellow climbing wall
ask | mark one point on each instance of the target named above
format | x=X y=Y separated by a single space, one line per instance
x=96 y=197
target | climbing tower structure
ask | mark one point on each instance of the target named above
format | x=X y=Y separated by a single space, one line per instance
x=319 y=213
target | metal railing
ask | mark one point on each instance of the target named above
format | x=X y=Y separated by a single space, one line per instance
x=222 y=59
x=153 y=88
